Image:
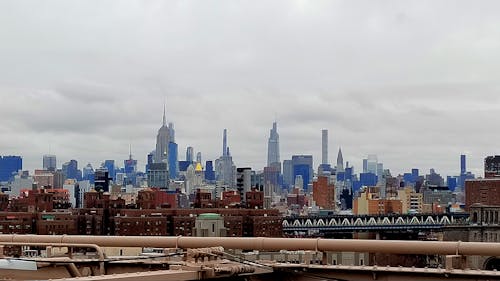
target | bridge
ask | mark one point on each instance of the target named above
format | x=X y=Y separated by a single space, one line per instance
x=197 y=258
x=372 y=222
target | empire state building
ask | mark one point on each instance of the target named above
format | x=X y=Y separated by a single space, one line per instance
x=162 y=140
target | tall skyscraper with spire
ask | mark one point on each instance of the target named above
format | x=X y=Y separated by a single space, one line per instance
x=162 y=140
x=340 y=161
x=225 y=171
x=273 y=147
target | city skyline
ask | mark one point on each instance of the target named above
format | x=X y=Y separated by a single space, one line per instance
x=387 y=80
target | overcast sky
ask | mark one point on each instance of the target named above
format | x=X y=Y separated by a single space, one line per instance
x=415 y=82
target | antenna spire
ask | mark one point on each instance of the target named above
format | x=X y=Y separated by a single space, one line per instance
x=164 y=113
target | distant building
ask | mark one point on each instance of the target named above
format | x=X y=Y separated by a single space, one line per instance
x=9 y=166
x=190 y=154
x=162 y=141
x=492 y=166
x=369 y=204
x=288 y=177
x=243 y=181
x=303 y=166
x=273 y=148
x=101 y=180
x=209 y=171
x=225 y=171
x=412 y=202
x=324 y=193
x=70 y=170
x=324 y=146
x=49 y=162
x=88 y=173
x=158 y=175
x=209 y=225
x=482 y=191
x=340 y=161
x=173 y=162
x=110 y=165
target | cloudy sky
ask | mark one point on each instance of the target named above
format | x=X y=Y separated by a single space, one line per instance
x=415 y=82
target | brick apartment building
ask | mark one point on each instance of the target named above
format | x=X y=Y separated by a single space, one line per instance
x=482 y=191
x=324 y=193
x=35 y=213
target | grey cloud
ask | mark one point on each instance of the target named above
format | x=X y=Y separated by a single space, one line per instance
x=412 y=82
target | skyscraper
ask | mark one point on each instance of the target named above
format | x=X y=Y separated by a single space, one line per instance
x=173 y=166
x=9 y=165
x=190 y=154
x=302 y=165
x=110 y=165
x=340 y=161
x=49 y=162
x=273 y=147
x=70 y=170
x=463 y=167
x=171 y=132
x=224 y=143
x=162 y=140
x=324 y=146
x=225 y=170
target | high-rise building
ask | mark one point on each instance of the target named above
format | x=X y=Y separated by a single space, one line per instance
x=288 y=178
x=209 y=171
x=492 y=166
x=273 y=147
x=340 y=161
x=110 y=165
x=158 y=175
x=49 y=162
x=88 y=173
x=198 y=157
x=371 y=164
x=70 y=170
x=130 y=168
x=190 y=154
x=224 y=143
x=171 y=132
x=463 y=167
x=101 y=182
x=9 y=166
x=162 y=140
x=150 y=159
x=225 y=169
x=302 y=165
x=243 y=181
x=173 y=163
x=324 y=146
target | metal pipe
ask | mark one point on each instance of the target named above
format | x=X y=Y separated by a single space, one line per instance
x=272 y=244
x=28 y=242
